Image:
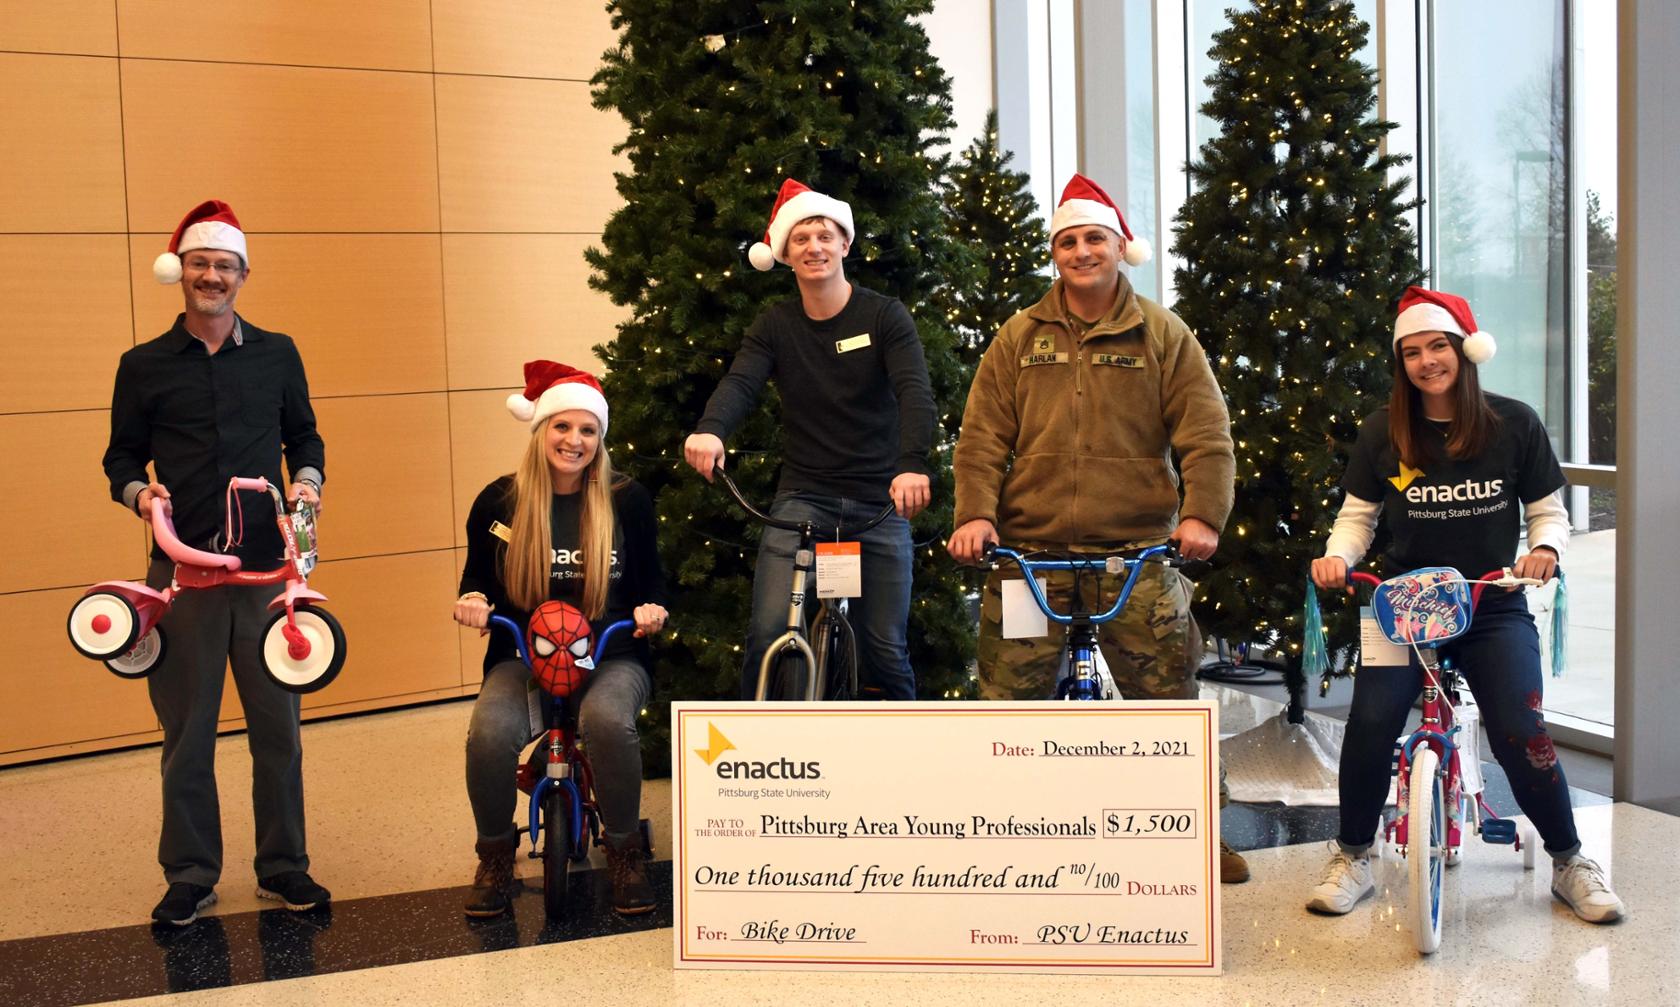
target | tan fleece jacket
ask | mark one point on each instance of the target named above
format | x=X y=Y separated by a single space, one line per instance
x=1069 y=440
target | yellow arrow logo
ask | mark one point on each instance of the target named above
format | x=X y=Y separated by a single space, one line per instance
x=1405 y=477
x=716 y=744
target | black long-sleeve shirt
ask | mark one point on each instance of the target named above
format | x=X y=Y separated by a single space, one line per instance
x=202 y=419
x=857 y=407
x=637 y=577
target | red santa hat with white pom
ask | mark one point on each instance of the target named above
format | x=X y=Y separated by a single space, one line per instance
x=209 y=225
x=1084 y=202
x=795 y=202
x=1433 y=311
x=554 y=388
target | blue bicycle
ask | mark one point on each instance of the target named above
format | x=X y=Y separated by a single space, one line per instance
x=557 y=777
x=1082 y=676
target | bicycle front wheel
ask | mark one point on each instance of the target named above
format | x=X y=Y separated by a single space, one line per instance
x=557 y=850
x=788 y=674
x=836 y=649
x=1426 y=847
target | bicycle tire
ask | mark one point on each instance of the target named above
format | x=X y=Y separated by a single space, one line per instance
x=835 y=645
x=787 y=677
x=557 y=850
x=846 y=641
x=1426 y=841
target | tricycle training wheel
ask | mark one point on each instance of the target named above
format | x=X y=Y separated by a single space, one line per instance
x=143 y=657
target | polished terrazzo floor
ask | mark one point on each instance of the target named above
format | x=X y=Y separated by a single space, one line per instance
x=390 y=834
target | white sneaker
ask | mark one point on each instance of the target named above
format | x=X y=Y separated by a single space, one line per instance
x=1580 y=884
x=1347 y=879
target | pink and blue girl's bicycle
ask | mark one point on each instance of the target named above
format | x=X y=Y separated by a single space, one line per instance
x=302 y=648
x=557 y=776
x=1421 y=610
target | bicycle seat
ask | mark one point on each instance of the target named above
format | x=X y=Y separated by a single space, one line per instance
x=1425 y=607
x=163 y=529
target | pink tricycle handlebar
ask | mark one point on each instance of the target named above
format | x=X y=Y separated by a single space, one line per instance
x=163 y=529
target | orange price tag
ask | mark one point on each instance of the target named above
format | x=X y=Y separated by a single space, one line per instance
x=839 y=569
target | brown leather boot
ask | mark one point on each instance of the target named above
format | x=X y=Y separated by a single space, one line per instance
x=494 y=878
x=1233 y=869
x=632 y=894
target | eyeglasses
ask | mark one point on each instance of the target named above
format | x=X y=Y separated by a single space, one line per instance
x=221 y=268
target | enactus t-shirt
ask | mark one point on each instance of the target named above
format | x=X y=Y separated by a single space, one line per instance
x=1462 y=513
x=636 y=577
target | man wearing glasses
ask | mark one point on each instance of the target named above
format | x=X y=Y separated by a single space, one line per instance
x=213 y=398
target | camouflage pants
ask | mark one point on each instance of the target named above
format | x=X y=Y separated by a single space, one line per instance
x=1152 y=647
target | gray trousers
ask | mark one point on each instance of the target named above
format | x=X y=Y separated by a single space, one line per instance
x=501 y=725
x=206 y=630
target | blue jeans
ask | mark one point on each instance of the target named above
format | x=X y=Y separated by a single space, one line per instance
x=878 y=617
x=1499 y=659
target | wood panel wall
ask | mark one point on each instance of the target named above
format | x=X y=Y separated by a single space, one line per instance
x=418 y=180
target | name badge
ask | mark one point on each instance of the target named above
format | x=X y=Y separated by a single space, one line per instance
x=1034 y=359
x=839 y=569
x=857 y=342
x=501 y=531
x=1116 y=360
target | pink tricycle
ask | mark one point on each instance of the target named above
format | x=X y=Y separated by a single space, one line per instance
x=301 y=648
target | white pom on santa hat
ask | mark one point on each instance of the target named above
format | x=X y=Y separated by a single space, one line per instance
x=795 y=202
x=554 y=388
x=1084 y=202
x=209 y=225
x=1424 y=310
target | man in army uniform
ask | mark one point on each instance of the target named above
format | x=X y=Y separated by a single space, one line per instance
x=1067 y=444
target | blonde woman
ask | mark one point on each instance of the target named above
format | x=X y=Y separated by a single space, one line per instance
x=563 y=527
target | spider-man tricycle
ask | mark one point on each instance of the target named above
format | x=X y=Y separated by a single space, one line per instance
x=556 y=776
x=301 y=649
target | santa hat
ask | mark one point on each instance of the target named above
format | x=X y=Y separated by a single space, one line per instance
x=211 y=224
x=794 y=203
x=554 y=388
x=1432 y=311
x=1084 y=202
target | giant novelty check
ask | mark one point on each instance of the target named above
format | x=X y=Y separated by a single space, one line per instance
x=1038 y=837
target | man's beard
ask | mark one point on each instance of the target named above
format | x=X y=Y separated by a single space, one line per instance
x=205 y=305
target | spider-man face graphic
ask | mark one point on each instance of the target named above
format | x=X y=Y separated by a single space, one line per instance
x=559 y=642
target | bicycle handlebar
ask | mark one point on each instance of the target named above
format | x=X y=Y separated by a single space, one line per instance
x=1131 y=564
x=842 y=531
x=503 y=622
x=1502 y=577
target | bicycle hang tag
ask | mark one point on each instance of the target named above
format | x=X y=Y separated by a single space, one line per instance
x=1022 y=619
x=839 y=569
x=1375 y=648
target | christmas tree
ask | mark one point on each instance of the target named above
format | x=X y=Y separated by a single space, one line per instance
x=990 y=209
x=1295 y=249
x=723 y=99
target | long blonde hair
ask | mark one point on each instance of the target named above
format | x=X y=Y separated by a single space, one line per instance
x=530 y=551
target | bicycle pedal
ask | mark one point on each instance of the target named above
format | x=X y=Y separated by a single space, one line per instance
x=1500 y=831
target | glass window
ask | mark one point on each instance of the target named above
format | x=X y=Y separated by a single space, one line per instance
x=1141 y=196
x=1500 y=192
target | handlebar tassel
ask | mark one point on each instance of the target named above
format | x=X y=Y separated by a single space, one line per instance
x=1315 y=659
x=1560 y=626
